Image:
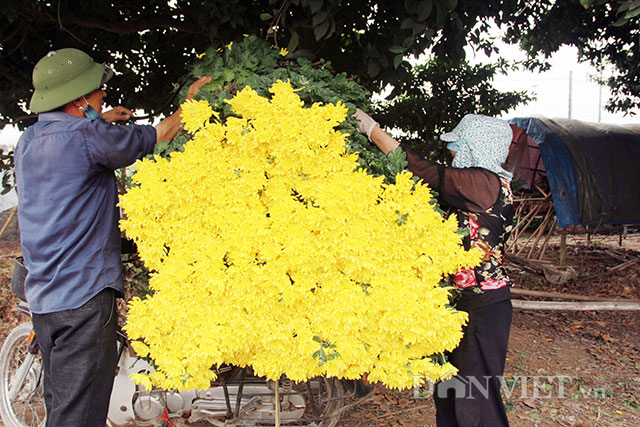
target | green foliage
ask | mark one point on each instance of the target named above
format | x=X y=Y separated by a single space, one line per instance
x=136 y=276
x=149 y=42
x=164 y=148
x=626 y=9
x=463 y=231
x=439 y=94
x=402 y=218
x=374 y=161
x=321 y=354
x=254 y=63
x=605 y=34
x=7 y=171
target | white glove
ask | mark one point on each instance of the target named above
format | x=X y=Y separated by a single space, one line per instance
x=366 y=123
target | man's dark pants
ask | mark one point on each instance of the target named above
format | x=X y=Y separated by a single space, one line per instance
x=480 y=359
x=79 y=356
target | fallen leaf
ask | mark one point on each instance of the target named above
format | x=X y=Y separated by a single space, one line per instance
x=605 y=336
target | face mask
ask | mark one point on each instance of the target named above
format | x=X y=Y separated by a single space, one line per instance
x=90 y=113
x=454 y=146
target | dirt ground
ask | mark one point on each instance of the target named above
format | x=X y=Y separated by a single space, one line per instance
x=574 y=368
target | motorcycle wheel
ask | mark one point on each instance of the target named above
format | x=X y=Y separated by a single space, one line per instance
x=325 y=401
x=328 y=397
x=28 y=408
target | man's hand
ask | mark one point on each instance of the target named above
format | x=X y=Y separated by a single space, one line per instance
x=169 y=127
x=117 y=114
x=195 y=86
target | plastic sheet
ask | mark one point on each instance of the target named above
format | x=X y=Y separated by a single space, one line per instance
x=592 y=169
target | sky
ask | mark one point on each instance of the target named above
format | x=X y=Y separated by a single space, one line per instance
x=551 y=89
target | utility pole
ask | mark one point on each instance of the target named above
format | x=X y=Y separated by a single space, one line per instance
x=600 y=98
x=570 y=90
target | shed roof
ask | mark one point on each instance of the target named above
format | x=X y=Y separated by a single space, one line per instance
x=593 y=169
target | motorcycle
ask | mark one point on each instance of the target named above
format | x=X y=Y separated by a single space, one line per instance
x=236 y=398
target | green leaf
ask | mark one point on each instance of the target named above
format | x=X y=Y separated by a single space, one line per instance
x=620 y=22
x=293 y=42
x=397 y=60
x=321 y=30
x=402 y=218
x=396 y=49
x=161 y=146
x=451 y=4
x=373 y=67
x=301 y=53
x=266 y=16
x=633 y=12
x=408 y=42
x=318 y=18
x=623 y=6
x=441 y=12
x=407 y=23
x=410 y=6
x=424 y=9
x=323 y=355
x=332 y=30
x=315 y=5
x=463 y=231
x=586 y=3
x=365 y=287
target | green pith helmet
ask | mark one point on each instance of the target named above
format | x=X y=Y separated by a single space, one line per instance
x=64 y=75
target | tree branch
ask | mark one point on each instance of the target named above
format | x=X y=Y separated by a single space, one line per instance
x=125 y=27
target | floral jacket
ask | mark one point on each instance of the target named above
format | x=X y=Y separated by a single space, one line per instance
x=488 y=231
x=484 y=203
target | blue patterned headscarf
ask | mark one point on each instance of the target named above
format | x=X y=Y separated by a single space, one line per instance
x=480 y=141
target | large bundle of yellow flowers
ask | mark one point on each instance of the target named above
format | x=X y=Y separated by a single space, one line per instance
x=271 y=249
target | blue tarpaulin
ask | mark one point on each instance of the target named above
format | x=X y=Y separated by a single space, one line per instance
x=593 y=169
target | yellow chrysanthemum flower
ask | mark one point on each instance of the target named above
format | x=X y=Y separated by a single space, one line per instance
x=271 y=248
x=195 y=114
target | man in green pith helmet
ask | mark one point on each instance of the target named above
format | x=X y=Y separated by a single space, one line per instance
x=70 y=239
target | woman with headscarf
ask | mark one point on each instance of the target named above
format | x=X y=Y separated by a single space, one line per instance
x=478 y=188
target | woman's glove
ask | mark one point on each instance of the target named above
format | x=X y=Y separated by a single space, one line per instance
x=366 y=123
